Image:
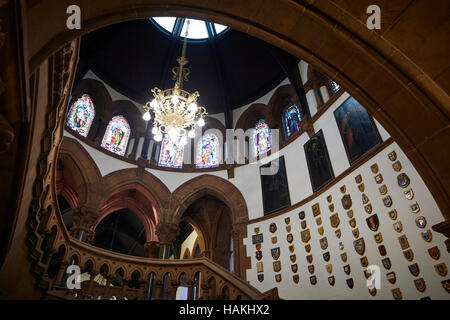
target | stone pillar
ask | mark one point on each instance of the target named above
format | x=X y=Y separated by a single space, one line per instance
x=152 y=248
x=174 y=284
x=190 y=285
x=84 y=221
x=143 y=288
x=167 y=233
x=324 y=92
x=133 y=153
x=205 y=292
x=158 y=289
x=60 y=275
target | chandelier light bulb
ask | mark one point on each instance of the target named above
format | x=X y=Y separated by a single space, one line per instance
x=158 y=137
x=183 y=140
x=147 y=116
x=155 y=130
x=193 y=107
x=191 y=134
x=173 y=133
x=154 y=103
x=201 y=122
x=175 y=99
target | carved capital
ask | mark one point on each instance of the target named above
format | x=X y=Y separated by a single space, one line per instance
x=167 y=232
x=85 y=217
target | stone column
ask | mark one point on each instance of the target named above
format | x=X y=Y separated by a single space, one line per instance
x=190 y=285
x=167 y=233
x=205 y=292
x=143 y=288
x=324 y=92
x=152 y=248
x=174 y=284
x=84 y=221
x=60 y=275
x=158 y=289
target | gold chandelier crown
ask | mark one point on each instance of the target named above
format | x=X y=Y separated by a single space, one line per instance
x=176 y=112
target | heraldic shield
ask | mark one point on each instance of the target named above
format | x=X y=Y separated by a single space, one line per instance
x=346 y=202
x=275 y=253
x=373 y=222
x=305 y=235
x=360 y=246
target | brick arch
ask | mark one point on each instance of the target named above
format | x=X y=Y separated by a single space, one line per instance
x=147 y=183
x=211 y=185
x=140 y=204
x=83 y=170
x=331 y=36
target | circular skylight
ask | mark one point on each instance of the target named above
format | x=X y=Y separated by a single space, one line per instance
x=198 y=29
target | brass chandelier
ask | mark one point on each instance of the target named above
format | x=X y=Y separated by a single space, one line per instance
x=176 y=112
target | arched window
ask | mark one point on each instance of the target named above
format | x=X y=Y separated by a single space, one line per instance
x=334 y=86
x=208 y=151
x=171 y=154
x=116 y=135
x=291 y=120
x=81 y=115
x=262 y=139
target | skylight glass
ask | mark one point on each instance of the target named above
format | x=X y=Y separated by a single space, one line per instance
x=166 y=22
x=219 y=27
x=197 y=29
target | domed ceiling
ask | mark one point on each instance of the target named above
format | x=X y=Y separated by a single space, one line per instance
x=229 y=68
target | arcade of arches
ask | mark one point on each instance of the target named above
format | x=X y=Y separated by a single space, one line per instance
x=355 y=121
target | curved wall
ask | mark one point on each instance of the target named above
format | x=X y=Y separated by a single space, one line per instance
x=302 y=198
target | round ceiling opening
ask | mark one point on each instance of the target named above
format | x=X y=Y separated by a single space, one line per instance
x=198 y=29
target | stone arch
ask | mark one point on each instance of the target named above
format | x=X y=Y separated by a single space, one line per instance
x=214 y=186
x=147 y=183
x=338 y=42
x=72 y=154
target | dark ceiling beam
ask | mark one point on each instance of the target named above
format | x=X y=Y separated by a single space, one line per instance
x=289 y=64
x=226 y=106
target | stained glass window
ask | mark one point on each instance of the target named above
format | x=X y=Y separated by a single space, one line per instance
x=334 y=86
x=81 y=115
x=171 y=154
x=292 y=116
x=116 y=135
x=261 y=138
x=208 y=151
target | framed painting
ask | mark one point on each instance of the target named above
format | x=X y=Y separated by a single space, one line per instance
x=357 y=128
x=318 y=160
x=275 y=190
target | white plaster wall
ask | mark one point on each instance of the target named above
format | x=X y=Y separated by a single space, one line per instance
x=188 y=243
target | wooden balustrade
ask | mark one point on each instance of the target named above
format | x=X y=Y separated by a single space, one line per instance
x=167 y=275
